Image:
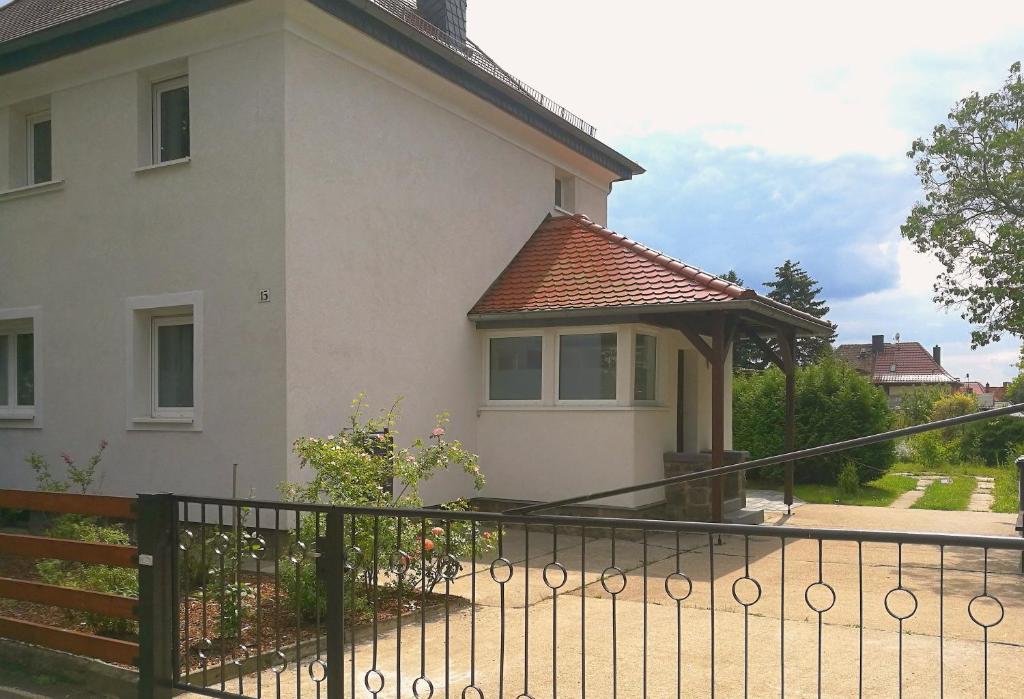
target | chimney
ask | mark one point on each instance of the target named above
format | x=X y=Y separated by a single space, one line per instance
x=937 y=354
x=447 y=15
x=877 y=343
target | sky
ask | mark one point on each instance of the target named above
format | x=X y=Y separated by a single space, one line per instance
x=774 y=131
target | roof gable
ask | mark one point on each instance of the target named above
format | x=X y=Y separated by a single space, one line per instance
x=572 y=263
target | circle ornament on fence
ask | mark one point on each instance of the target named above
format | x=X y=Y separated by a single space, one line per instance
x=678 y=586
x=746 y=591
x=353 y=557
x=817 y=594
x=205 y=646
x=399 y=562
x=904 y=599
x=422 y=688
x=280 y=662
x=501 y=570
x=297 y=552
x=221 y=544
x=472 y=692
x=450 y=567
x=317 y=670
x=985 y=610
x=555 y=575
x=613 y=580
x=257 y=547
x=185 y=539
x=373 y=678
x=245 y=652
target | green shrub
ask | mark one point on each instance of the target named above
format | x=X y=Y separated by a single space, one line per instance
x=833 y=403
x=992 y=441
x=932 y=449
x=917 y=404
x=355 y=468
x=848 y=480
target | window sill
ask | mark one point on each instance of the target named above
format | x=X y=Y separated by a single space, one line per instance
x=32 y=189
x=19 y=419
x=177 y=424
x=160 y=166
x=564 y=212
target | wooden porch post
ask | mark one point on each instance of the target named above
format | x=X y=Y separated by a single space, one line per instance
x=787 y=344
x=717 y=412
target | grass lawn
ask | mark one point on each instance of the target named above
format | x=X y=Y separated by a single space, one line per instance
x=947 y=496
x=877 y=493
x=1004 y=491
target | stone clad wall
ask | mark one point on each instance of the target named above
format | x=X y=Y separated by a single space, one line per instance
x=691 y=501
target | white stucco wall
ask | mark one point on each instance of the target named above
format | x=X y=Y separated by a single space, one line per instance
x=214 y=225
x=405 y=199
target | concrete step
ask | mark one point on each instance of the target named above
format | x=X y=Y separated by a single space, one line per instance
x=745 y=515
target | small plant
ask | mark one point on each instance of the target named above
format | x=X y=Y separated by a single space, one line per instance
x=82 y=477
x=848 y=481
x=362 y=466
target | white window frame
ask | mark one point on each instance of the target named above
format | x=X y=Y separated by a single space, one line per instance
x=158 y=322
x=545 y=375
x=143 y=315
x=621 y=339
x=158 y=88
x=565 y=191
x=30 y=145
x=14 y=322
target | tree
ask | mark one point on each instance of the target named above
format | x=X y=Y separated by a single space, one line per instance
x=833 y=403
x=745 y=354
x=794 y=287
x=972 y=215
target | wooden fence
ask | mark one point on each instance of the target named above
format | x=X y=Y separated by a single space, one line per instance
x=40 y=547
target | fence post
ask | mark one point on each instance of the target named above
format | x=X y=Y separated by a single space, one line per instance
x=157 y=524
x=332 y=570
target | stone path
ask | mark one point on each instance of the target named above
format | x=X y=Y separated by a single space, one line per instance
x=770 y=501
x=982 y=498
x=903 y=502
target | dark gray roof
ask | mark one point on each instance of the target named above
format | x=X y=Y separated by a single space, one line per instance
x=23 y=17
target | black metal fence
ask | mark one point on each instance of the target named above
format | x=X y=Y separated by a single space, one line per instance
x=270 y=599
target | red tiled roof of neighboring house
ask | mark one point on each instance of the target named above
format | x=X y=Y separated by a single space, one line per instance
x=897 y=363
x=572 y=263
x=973 y=387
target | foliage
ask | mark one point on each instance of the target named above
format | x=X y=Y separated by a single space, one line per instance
x=848 y=481
x=972 y=217
x=954 y=405
x=1006 y=493
x=80 y=477
x=993 y=441
x=99 y=578
x=916 y=405
x=932 y=449
x=355 y=467
x=953 y=496
x=833 y=403
x=1015 y=391
x=795 y=287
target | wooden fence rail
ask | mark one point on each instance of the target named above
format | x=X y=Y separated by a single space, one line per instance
x=41 y=547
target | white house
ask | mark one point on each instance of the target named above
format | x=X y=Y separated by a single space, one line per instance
x=221 y=220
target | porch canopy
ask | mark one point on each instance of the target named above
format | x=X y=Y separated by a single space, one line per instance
x=573 y=271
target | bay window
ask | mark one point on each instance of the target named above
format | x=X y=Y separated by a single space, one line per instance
x=514 y=368
x=587 y=365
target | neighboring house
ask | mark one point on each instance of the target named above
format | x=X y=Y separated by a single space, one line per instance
x=223 y=220
x=988 y=396
x=897 y=367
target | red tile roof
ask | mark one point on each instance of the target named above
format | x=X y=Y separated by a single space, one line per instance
x=571 y=262
x=897 y=363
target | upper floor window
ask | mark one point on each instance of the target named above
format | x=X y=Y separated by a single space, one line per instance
x=587 y=366
x=17 y=368
x=170 y=120
x=515 y=368
x=564 y=193
x=39 y=148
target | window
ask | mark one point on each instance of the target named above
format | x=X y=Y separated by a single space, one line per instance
x=17 y=369
x=173 y=366
x=586 y=367
x=170 y=120
x=564 y=191
x=39 y=148
x=515 y=368
x=645 y=359
x=165 y=362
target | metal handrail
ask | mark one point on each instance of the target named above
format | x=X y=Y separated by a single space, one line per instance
x=777 y=459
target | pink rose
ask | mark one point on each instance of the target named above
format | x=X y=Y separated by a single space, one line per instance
x=67 y=458
x=437 y=432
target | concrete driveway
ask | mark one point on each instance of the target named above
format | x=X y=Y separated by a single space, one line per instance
x=642 y=642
